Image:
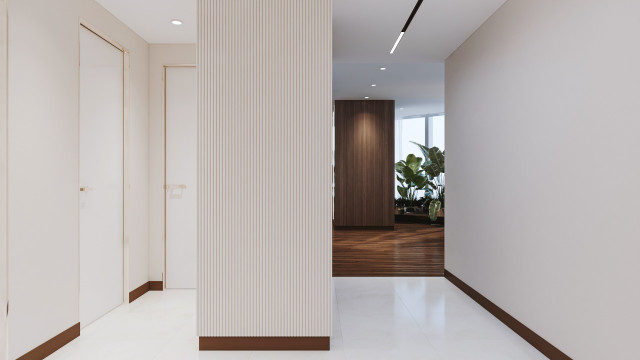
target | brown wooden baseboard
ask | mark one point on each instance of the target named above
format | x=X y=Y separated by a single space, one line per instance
x=53 y=344
x=156 y=286
x=139 y=291
x=519 y=328
x=142 y=289
x=265 y=343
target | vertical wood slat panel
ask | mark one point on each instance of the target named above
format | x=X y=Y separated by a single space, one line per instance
x=364 y=163
x=264 y=168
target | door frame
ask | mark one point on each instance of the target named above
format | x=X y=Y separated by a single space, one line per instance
x=164 y=165
x=126 y=126
x=4 y=269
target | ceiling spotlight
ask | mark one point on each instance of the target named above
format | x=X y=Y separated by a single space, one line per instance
x=374 y=85
x=366 y=97
x=406 y=25
x=383 y=68
x=176 y=22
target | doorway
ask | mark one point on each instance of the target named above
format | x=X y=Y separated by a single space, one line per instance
x=181 y=155
x=101 y=175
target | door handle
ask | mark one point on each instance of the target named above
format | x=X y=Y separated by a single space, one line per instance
x=170 y=187
x=85 y=189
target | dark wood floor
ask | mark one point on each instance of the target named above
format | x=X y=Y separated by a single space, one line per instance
x=409 y=250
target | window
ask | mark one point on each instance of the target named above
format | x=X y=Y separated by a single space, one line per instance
x=436 y=131
x=427 y=130
x=408 y=130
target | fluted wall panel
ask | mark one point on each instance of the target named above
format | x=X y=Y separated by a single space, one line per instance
x=264 y=168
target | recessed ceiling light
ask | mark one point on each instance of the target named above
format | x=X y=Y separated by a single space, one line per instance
x=383 y=68
x=374 y=85
x=366 y=97
x=176 y=22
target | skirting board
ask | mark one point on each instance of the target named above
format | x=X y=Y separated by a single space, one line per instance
x=142 y=289
x=264 y=343
x=53 y=344
x=155 y=285
x=519 y=328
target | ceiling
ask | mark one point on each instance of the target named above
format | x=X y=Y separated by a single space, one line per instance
x=363 y=33
x=151 y=19
x=418 y=88
x=365 y=30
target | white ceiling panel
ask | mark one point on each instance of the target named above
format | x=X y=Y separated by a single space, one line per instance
x=151 y=19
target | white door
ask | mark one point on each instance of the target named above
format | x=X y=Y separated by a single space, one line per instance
x=101 y=177
x=180 y=177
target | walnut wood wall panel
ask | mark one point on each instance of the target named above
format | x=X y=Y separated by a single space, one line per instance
x=264 y=169
x=364 y=161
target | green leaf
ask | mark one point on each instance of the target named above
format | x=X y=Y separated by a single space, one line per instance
x=432 y=170
x=436 y=157
x=408 y=174
x=420 y=182
x=434 y=209
x=413 y=162
x=402 y=191
x=423 y=148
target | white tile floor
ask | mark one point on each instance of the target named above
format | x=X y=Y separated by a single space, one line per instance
x=373 y=318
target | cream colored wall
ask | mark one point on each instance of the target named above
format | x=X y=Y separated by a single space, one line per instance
x=264 y=183
x=160 y=55
x=3 y=179
x=543 y=171
x=43 y=163
x=137 y=139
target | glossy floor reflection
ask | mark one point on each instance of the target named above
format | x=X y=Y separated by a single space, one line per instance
x=373 y=318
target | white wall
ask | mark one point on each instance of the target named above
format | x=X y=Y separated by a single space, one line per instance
x=160 y=55
x=43 y=163
x=543 y=170
x=3 y=179
x=264 y=172
x=137 y=139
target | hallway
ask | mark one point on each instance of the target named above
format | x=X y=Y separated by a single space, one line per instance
x=373 y=318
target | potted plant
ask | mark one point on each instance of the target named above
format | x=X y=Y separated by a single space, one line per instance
x=433 y=167
x=410 y=173
x=400 y=204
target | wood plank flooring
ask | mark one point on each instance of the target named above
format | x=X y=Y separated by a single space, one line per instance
x=409 y=250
